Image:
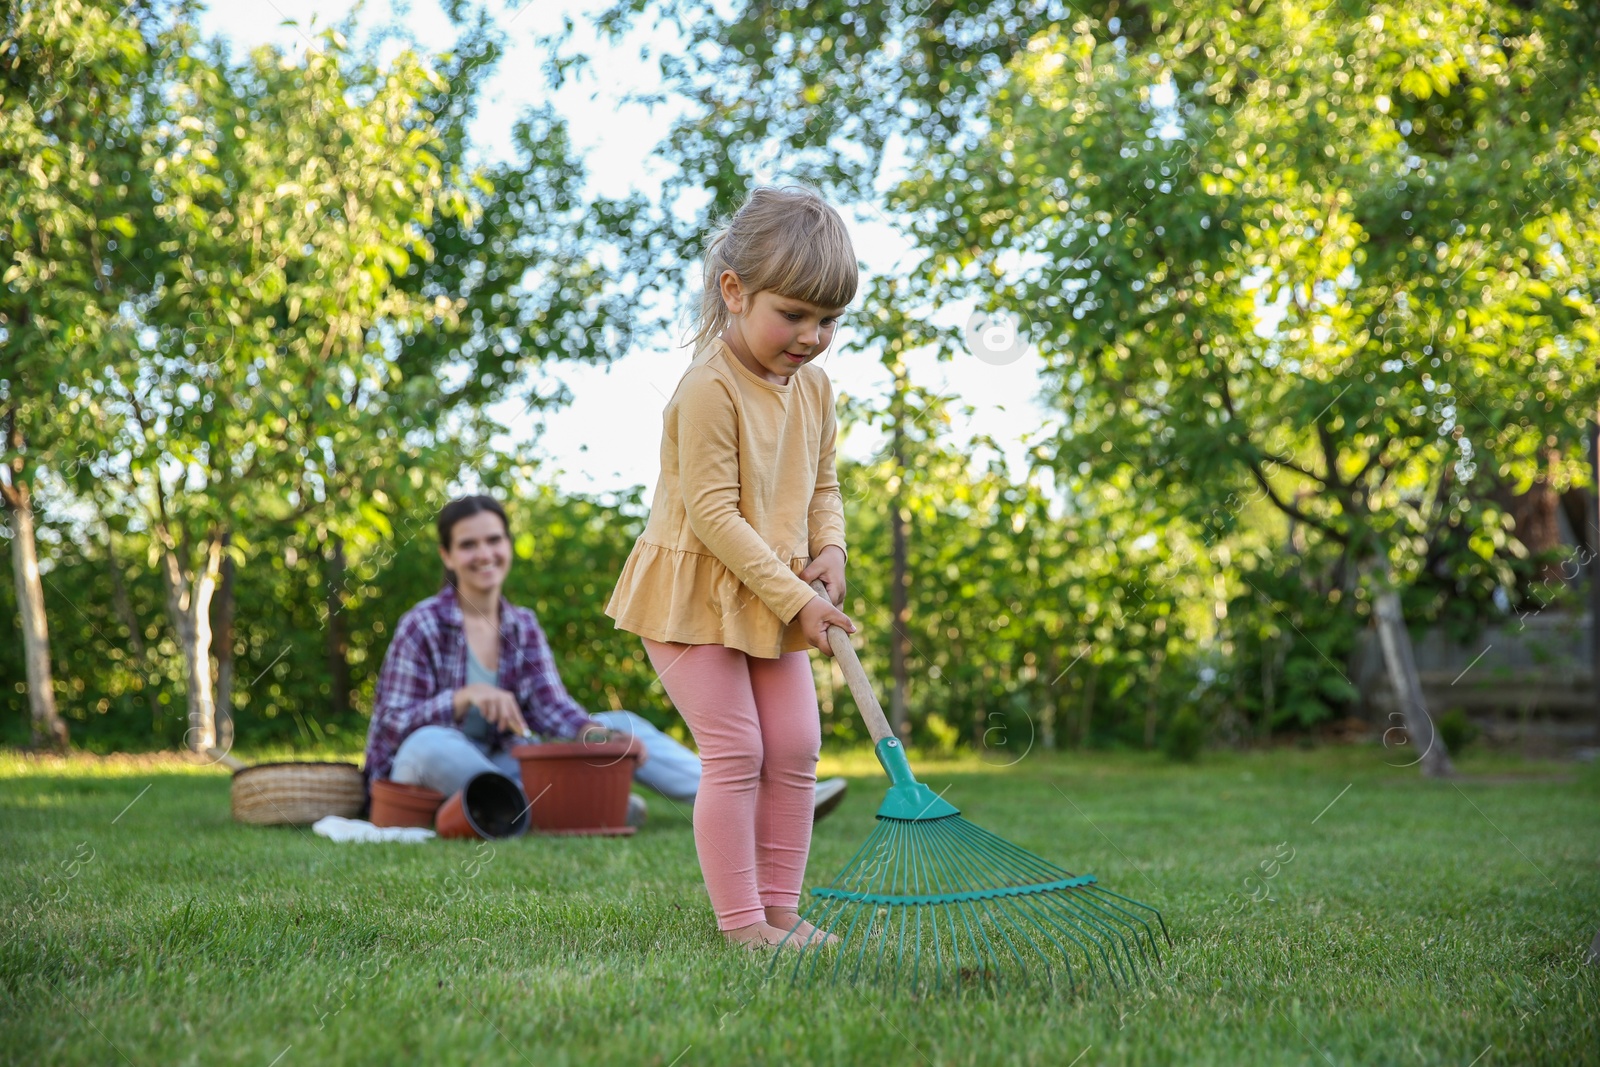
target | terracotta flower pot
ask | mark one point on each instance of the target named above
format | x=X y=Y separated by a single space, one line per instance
x=396 y=804
x=489 y=806
x=577 y=787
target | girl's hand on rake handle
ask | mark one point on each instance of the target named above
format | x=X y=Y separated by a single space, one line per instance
x=828 y=568
x=816 y=617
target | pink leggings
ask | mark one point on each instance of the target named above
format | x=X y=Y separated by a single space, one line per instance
x=756 y=725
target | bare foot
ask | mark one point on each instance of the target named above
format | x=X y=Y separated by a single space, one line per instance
x=756 y=936
x=804 y=934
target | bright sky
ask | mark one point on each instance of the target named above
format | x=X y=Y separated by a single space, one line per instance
x=608 y=438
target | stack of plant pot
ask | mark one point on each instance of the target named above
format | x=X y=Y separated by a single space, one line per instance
x=572 y=787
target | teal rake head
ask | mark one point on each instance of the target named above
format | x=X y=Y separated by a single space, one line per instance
x=938 y=903
x=941 y=904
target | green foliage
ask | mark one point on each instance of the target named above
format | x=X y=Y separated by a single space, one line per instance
x=523 y=299
x=77 y=81
x=269 y=343
x=1294 y=635
x=567 y=548
x=1456 y=730
x=1184 y=737
x=273 y=336
x=1028 y=627
x=569 y=551
x=1314 y=287
x=1314 y=284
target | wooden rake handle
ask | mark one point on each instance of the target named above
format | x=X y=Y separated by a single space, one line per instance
x=855 y=676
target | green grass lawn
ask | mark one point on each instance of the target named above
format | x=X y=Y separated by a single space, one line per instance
x=1410 y=922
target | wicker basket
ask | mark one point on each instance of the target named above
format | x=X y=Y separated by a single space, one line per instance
x=297 y=793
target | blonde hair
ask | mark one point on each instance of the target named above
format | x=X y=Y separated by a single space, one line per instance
x=783 y=240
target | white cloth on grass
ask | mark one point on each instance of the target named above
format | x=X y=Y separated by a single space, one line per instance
x=335 y=828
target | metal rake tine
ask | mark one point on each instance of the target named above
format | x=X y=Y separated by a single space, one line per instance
x=1002 y=919
x=1088 y=898
x=1035 y=867
x=1002 y=868
x=901 y=883
x=1074 y=910
x=824 y=920
x=1083 y=912
x=939 y=875
x=853 y=909
x=1138 y=904
x=854 y=862
x=866 y=936
x=1093 y=893
x=874 y=930
x=995 y=912
x=1072 y=907
x=922 y=882
x=1021 y=908
x=1036 y=913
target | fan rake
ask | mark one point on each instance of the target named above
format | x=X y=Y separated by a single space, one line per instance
x=942 y=904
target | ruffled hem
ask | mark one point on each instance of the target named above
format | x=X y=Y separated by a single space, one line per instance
x=692 y=598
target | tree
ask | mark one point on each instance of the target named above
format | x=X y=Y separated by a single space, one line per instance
x=75 y=76
x=1410 y=192
x=912 y=421
x=1314 y=163
x=525 y=271
x=252 y=382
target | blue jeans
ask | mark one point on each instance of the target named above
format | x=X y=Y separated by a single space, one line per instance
x=445 y=759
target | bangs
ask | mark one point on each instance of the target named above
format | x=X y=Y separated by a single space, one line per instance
x=818 y=267
x=784 y=241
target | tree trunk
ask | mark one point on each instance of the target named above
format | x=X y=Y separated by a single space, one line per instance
x=141 y=653
x=1273 y=659
x=189 y=606
x=899 y=608
x=1047 y=710
x=337 y=638
x=1578 y=504
x=1088 y=705
x=1395 y=640
x=49 y=730
x=1151 y=705
x=1594 y=571
x=1535 y=519
x=224 y=646
x=1269 y=706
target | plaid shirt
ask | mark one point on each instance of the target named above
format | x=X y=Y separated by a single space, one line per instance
x=427 y=662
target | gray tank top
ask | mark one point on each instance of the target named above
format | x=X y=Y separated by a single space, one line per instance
x=477 y=672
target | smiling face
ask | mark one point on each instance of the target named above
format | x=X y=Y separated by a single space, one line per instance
x=774 y=335
x=479 y=553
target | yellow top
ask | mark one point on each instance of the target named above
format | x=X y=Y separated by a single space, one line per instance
x=748 y=494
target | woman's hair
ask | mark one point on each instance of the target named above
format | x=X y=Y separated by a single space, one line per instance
x=464 y=508
x=783 y=240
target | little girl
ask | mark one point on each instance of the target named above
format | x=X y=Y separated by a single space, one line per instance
x=747 y=512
